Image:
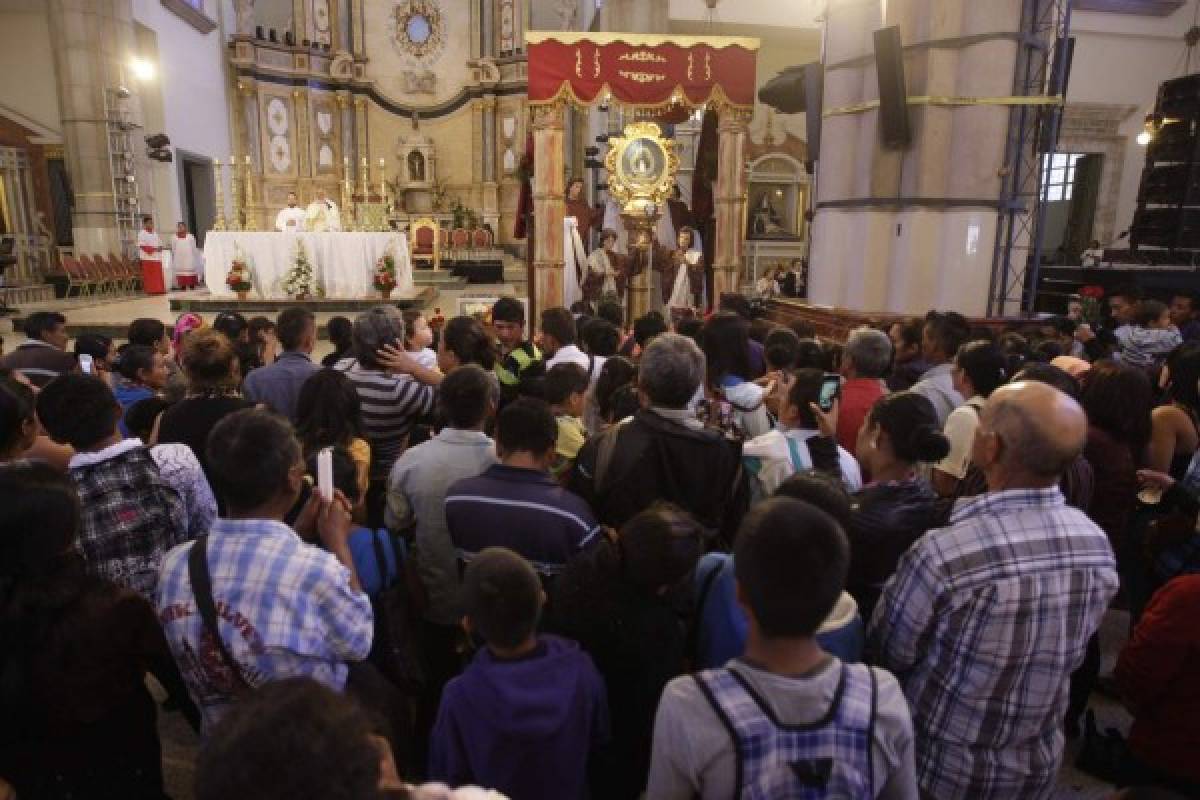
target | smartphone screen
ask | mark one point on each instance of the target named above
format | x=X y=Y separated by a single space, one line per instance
x=831 y=387
x=85 y=364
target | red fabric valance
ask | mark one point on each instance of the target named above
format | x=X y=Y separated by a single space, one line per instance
x=640 y=70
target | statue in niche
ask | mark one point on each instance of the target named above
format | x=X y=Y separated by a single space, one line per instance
x=245 y=16
x=416 y=166
x=766 y=221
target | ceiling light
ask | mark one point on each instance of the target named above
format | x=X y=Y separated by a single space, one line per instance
x=143 y=70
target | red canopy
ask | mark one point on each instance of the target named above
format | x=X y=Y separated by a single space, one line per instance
x=640 y=70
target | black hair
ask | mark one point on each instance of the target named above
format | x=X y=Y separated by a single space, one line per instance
x=582 y=308
x=250 y=454
x=16 y=409
x=79 y=410
x=806 y=389
x=691 y=327
x=328 y=411
x=1063 y=326
x=736 y=303
x=290 y=739
x=1118 y=399
x=133 y=359
x=617 y=371
x=341 y=333
x=612 y=312
x=140 y=417
x=562 y=381
x=209 y=360
x=1188 y=295
x=559 y=323
x=1046 y=351
x=39 y=323
x=1129 y=291
x=810 y=355
x=911 y=423
x=465 y=395
x=984 y=365
x=601 y=338
x=949 y=330
x=648 y=326
x=659 y=547
x=1149 y=311
x=345 y=472
x=806 y=330
x=502 y=597
x=1050 y=375
x=470 y=343
x=147 y=331
x=526 y=425
x=231 y=324
x=790 y=559
x=1183 y=367
x=821 y=490
x=96 y=345
x=508 y=309
x=910 y=331
x=625 y=402
x=291 y=326
x=781 y=348
x=726 y=344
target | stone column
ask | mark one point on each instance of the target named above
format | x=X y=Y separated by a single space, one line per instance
x=487 y=28
x=730 y=200
x=549 y=208
x=908 y=230
x=491 y=193
x=91 y=44
x=642 y=16
x=360 y=128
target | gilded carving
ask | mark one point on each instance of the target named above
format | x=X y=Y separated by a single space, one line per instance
x=641 y=77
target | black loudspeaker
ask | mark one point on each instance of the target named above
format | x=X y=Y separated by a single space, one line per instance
x=893 y=95
x=814 y=91
x=1060 y=75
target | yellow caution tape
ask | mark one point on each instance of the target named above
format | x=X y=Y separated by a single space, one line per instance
x=935 y=100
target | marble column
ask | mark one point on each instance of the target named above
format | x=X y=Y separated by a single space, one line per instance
x=491 y=191
x=487 y=28
x=92 y=42
x=549 y=208
x=729 y=197
x=908 y=230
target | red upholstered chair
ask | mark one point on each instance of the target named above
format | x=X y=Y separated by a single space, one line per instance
x=77 y=278
x=482 y=238
x=460 y=240
x=425 y=242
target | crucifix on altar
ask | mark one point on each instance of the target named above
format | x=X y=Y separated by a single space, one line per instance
x=659 y=78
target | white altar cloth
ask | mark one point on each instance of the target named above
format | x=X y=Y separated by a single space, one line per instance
x=343 y=262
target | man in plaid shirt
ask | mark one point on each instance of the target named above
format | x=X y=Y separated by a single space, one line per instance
x=985 y=620
x=284 y=607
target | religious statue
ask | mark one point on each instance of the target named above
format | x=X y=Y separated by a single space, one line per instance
x=683 y=276
x=766 y=221
x=577 y=207
x=606 y=272
x=416 y=166
x=245 y=16
x=566 y=10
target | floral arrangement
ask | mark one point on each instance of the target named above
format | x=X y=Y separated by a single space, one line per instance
x=239 y=278
x=1089 y=298
x=300 y=280
x=384 y=277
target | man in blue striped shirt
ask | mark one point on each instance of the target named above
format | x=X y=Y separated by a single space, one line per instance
x=516 y=504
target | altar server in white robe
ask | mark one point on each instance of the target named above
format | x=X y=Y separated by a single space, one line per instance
x=323 y=215
x=185 y=258
x=150 y=247
x=291 y=218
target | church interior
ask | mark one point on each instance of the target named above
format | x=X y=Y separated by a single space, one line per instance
x=836 y=162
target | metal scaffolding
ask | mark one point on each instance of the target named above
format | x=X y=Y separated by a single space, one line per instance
x=1041 y=70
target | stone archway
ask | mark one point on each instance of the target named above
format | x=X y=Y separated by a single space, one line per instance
x=1095 y=128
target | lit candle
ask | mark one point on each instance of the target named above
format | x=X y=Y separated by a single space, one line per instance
x=247 y=160
x=381 y=162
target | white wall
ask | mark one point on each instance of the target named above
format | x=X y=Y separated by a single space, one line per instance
x=1121 y=59
x=28 y=83
x=191 y=87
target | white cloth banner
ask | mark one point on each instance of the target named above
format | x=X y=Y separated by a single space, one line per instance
x=574 y=262
x=342 y=262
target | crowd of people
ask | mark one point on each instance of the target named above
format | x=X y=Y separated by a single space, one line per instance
x=675 y=561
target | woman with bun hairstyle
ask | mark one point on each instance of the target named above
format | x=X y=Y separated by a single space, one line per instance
x=900 y=433
x=980 y=368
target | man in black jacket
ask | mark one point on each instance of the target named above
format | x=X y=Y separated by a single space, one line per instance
x=664 y=452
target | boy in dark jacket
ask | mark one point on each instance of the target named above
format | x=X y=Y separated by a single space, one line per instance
x=529 y=711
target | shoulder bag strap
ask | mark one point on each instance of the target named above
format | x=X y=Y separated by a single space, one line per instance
x=202 y=589
x=693 y=637
x=801 y=460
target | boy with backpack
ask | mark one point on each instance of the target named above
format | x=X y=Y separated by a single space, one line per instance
x=528 y=713
x=786 y=719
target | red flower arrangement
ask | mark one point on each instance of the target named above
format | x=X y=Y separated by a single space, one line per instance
x=384 y=277
x=238 y=278
x=1094 y=292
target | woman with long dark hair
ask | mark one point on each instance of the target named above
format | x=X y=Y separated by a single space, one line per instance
x=725 y=340
x=329 y=414
x=341 y=336
x=76 y=719
x=1175 y=426
x=980 y=368
x=464 y=341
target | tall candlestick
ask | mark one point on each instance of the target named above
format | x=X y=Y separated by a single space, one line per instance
x=218 y=196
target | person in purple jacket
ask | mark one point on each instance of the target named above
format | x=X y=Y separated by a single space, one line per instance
x=527 y=714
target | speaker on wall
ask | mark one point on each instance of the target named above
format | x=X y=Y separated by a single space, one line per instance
x=1060 y=75
x=814 y=92
x=893 y=95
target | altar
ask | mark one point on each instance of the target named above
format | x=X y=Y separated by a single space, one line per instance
x=343 y=263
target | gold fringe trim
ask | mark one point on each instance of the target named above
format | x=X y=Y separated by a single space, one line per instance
x=935 y=100
x=566 y=93
x=641 y=39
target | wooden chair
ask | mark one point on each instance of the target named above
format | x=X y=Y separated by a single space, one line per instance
x=121 y=272
x=425 y=242
x=77 y=278
x=100 y=283
x=109 y=273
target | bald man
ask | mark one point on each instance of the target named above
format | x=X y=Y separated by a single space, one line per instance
x=985 y=620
